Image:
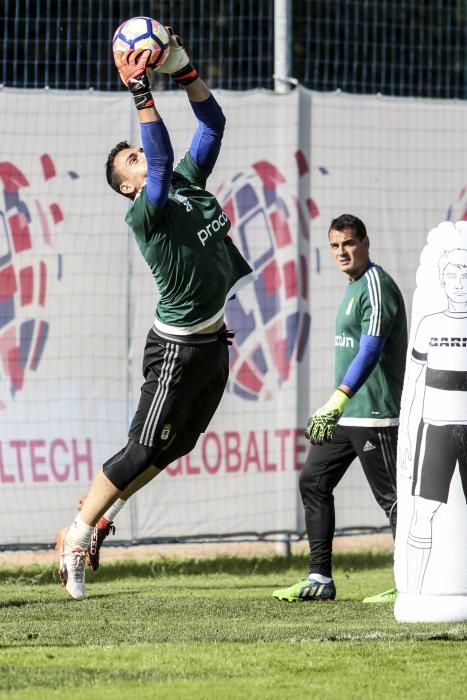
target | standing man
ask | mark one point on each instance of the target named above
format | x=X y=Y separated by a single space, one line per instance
x=181 y=231
x=361 y=417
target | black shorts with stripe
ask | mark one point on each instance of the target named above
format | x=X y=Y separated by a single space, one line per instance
x=185 y=378
x=439 y=449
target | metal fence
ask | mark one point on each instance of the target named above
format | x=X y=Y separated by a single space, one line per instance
x=394 y=47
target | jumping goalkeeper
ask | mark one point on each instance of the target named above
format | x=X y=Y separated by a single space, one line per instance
x=361 y=417
x=181 y=231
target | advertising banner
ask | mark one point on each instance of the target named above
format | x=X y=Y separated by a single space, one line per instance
x=77 y=300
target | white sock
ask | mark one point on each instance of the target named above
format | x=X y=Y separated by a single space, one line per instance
x=79 y=534
x=112 y=512
x=320 y=578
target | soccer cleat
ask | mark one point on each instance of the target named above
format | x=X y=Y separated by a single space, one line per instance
x=385 y=597
x=71 y=567
x=307 y=589
x=102 y=530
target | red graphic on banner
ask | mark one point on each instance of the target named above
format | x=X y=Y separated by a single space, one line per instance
x=26 y=240
x=270 y=225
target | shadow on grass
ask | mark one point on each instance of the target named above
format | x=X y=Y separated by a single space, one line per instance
x=14 y=603
x=253 y=566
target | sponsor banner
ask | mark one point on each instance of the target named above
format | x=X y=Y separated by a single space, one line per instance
x=77 y=300
x=287 y=167
x=63 y=305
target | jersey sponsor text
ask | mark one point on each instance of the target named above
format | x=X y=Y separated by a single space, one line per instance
x=343 y=341
x=448 y=342
x=213 y=226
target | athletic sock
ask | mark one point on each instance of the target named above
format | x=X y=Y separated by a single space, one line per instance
x=79 y=534
x=320 y=578
x=112 y=512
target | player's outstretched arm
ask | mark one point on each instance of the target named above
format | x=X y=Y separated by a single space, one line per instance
x=206 y=142
x=132 y=66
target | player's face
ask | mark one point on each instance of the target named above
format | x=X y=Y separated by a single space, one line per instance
x=350 y=253
x=130 y=164
x=455 y=283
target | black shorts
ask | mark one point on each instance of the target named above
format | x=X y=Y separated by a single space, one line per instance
x=439 y=449
x=185 y=378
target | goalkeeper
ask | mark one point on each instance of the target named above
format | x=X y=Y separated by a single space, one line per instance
x=182 y=232
x=361 y=417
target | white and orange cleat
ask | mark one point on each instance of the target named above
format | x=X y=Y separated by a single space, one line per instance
x=72 y=566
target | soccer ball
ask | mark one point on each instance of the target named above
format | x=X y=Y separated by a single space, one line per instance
x=143 y=33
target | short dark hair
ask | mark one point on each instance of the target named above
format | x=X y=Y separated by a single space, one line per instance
x=113 y=178
x=349 y=221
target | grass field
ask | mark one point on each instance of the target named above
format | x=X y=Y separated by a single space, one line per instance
x=204 y=629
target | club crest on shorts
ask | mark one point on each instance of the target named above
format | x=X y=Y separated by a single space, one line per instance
x=166 y=431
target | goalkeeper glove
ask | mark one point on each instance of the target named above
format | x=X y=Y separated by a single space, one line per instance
x=132 y=67
x=177 y=64
x=322 y=424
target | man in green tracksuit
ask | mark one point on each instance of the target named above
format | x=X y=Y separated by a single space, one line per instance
x=361 y=417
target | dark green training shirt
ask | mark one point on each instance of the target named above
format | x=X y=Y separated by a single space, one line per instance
x=194 y=262
x=373 y=305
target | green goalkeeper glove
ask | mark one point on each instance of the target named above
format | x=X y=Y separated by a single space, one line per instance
x=177 y=64
x=322 y=424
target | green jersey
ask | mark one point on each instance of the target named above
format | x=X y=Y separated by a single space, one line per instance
x=373 y=305
x=194 y=262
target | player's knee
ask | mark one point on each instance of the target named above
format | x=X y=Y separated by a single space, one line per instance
x=303 y=482
x=126 y=465
x=313 y=486
x=190 y=442
x=177 y=449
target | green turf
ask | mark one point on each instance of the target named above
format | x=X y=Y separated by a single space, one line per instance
x=210 y=629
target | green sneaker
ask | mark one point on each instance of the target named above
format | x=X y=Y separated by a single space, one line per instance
x=306 y=589
x=385 y=597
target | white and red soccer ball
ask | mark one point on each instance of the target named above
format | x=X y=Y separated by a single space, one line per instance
x=141 y=33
